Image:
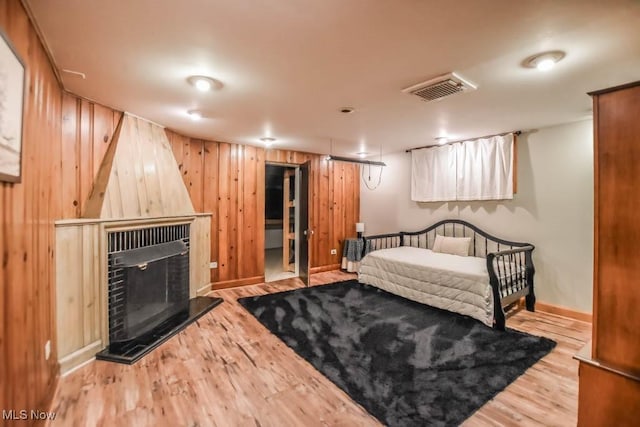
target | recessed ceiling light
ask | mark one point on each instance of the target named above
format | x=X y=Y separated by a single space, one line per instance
x=442 y=139
x=204 y=83
x=268 y=141
x=362 y=154
x=544 y=61
x=347 y=110
x=195 y=115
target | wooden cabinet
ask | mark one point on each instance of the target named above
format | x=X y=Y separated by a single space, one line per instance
x=613 y=362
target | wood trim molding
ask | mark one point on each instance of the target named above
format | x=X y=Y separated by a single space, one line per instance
x=560 y=311
x=77 y=358
x=585 y=356
x=323 y=268
x=260 y=279
x=237 y=282
x=614 y=88
x=204 y=290
x=164 y=220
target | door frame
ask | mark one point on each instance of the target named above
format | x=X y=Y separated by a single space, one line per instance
x=298 y=232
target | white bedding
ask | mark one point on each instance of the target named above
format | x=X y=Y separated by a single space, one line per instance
x=450 y=282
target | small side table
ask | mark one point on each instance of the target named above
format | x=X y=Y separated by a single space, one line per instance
x=354 y=250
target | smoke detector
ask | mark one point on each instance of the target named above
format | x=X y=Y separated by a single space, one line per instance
x=440 y=87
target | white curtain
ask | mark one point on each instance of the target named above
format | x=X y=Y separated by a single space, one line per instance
x=481 y=169
x=433 y=174
x=485 y=169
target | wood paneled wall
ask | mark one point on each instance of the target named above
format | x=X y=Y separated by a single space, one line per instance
x=64 y=141
x=87 y=130
x=228 y=181
x=27 y=212
x=223 y=179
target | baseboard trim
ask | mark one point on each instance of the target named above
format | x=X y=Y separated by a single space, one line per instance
x=258 y=279
x=204 y=290
x=81 y=365
x=237 y=282
x=561 y=311
x=79 y=357
x=324 y=268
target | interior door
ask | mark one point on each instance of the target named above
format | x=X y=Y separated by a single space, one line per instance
x=288 y=222
x=307 y=233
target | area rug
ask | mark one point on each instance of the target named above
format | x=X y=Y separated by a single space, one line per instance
x=406 y=363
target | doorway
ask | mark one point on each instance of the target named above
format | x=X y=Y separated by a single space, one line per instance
x=282 y=217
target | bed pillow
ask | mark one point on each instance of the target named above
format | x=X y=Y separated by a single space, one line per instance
x=452 y=245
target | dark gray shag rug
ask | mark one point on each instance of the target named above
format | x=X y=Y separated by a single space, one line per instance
x=406 y=363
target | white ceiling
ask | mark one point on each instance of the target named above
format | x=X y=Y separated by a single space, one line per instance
x=288 y=66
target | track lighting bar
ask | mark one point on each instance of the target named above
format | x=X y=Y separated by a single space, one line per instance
x=350 y=160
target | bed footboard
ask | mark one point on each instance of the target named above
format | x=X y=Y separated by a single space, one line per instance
x=511 y=277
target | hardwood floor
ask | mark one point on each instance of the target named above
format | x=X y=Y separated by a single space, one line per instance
x=227 y=370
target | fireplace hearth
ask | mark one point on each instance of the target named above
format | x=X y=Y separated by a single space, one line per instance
x=148 y=290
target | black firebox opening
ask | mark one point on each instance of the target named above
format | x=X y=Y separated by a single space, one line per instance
x=154 y=286
x=148 y=291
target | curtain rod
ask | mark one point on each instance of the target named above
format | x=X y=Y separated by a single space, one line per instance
x=515 y=132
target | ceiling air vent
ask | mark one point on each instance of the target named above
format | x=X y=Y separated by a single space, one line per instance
x=440 y=87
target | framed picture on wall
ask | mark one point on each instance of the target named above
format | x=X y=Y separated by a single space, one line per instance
x=11 y=104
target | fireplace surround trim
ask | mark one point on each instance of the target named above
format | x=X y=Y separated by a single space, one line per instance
x=81 y=279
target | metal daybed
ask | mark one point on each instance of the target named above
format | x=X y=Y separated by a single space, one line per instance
x=495 y=274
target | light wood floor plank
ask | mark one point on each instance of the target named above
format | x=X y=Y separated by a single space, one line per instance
x=228 y=370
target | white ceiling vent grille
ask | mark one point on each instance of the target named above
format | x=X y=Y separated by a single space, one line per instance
x=440 y=87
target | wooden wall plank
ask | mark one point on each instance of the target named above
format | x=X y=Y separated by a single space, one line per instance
x=69 y=242
x=200 y=256
x=250 y=214
x=260 y=216
x=211 y=197
x=234 y=213
x=165 y=191
x=195 y=180
x=122 y=177
x=26 y=214
x=323 y=231
x=102 y=132
x=223 y=212
x=85 y=139
x=139 y=150
x=71 y=206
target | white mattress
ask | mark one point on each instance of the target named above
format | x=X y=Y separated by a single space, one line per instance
x=450 y=282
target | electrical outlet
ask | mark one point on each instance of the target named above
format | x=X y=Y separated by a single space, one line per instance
x=47 y=350
x=213 y=264
x=334 y=251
